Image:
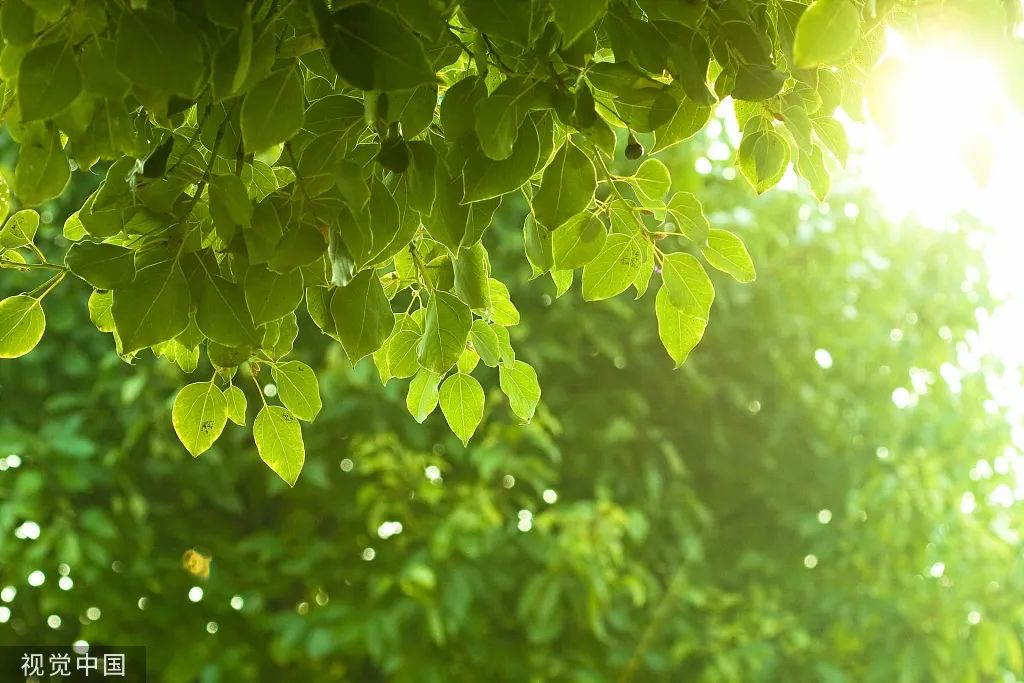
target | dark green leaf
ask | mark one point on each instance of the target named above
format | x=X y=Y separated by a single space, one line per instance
x=48 y=81
x=155 y=308
x=104 y=266
x=362 y=315
x=566 y=188
x=372 y=50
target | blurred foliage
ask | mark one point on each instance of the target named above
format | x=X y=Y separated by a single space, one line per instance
x=767 y=513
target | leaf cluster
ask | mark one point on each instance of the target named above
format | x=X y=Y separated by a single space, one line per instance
x=262 y=157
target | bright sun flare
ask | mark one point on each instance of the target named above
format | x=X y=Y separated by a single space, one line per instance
x=949 y=138
x=948 y=141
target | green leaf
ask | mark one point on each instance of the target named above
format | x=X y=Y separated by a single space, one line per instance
x=486 y=178
x=502 y=312
x=648 y=109
x=811 y=166
x=104 y=266
x=222 y=314
x=462 y=402
x=287 y=332
x=652 y=180
x=227 y=356
x=362 y=315
x=471 y=272
x=562 y=280
x=458 y=105
x=467 y=361
x=679 y=332
x=5 y=200
x=686 y=210
x=48 y=81
x=509 y=19
x=372 y=50
x=230 y=207
x=20 y=229
x=537 y=240
x=21 y=325
x=154 y=308
x=725 y=251
x=505 y=350
x=646 y=270
x=566 y=188
x=298 y=388
x=758 y=83
x=423 y=392
x=832 y=135
x=300 y=246
x=485 y=341
x=278 y=439
x=451 y=222
x=519 y=382
x=42 y=170
x=828 y=30
x=17 y=22
x=236 y=405
x=99 y=310
x=155 y=52
x=498 y=117
x=614 y=268
x=763 y=158
x=686 y=121
x=688 y=286
x=99 y=69
x=401 y=354
x=273 y=110
x=199 y=415
x=578 y=242
x=271 y=295
x=445 y=332
x=573 y=17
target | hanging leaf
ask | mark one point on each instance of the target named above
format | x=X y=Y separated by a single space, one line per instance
x=362 y=315
x=278 y=439
x=423 y=394
x=725 y=251
x=372 y=50
x=679 y=332
x=48 y=81
x=688 y=286
x=462 y=402
x=613 y=269
x=567 y=187
x=273 y=110
x=827 y=31
x=104 y=266
x=154 y=308
x=445 y=332
x=236 y=405
x=298 y=388
x=21 y=325
x=199 y=415
x=519 y=383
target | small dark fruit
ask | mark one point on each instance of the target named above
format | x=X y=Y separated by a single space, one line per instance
x=634 y=150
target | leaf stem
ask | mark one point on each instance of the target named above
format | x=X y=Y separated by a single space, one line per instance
x=7 y=263
x=50 y=285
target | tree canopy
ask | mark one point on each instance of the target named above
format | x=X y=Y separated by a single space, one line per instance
x=767 y=513
x=255 y=158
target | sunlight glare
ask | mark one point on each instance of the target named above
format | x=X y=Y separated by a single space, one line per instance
x=948 y=137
